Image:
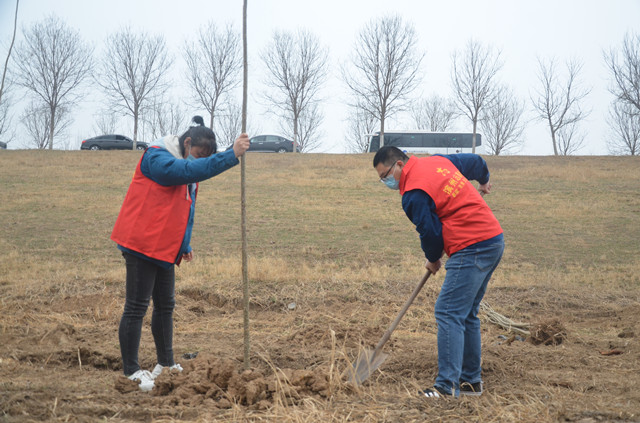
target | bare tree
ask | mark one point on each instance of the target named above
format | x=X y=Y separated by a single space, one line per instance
x=133 y=73
x=309 y=133
x=36 y=120
x=624 y=125
x=52 y=64
x=4 y=98
x=502 y=124
x=625 y=70
x=474 y=80
x=229 y=124
x=243 y=197
x=105 y=122
x=75 y=142
x=570 y=139
x=558 y=102
x=5 y=120
x=164 y=118
x=296 y=68
x=434 y=113
x=360 y=124
x=214 y=62
x=385 y=68
x=6 y=133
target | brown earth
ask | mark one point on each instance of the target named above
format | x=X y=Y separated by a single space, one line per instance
x=326 y=236
x=60 y=362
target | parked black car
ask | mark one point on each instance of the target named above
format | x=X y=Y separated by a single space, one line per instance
x=3 y=145
x=111 y=142
x=272 y=143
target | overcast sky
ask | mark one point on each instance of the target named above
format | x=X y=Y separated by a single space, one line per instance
x=523 y=31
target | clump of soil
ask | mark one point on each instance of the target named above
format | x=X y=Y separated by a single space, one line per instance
x=220 y=383
x=550 y=332
x=125 y=386
x=627 y=333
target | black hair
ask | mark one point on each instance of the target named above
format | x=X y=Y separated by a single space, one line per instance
x=200 y=135
x=389 y=154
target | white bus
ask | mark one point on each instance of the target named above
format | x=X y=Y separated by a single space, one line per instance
x=424 y=141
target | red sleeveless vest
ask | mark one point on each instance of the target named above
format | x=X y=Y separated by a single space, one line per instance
x=153 y=218
x=465 y=216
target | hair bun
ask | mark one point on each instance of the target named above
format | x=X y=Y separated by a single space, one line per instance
x=198 y=121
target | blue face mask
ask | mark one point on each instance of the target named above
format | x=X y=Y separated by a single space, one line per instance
x=190 y=157
x=391 y=182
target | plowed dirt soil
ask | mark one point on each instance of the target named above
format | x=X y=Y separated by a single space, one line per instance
x=71 y=371
x=332 y=259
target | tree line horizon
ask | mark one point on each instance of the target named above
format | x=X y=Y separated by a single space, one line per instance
x=53 y=69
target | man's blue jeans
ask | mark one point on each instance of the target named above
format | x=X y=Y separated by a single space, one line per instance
x=456 y=310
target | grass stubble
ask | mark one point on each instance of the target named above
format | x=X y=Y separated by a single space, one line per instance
x=325 y=236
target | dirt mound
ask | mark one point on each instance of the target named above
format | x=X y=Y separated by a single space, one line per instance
x=62 y=334
x=550 y=332
x=220 y=383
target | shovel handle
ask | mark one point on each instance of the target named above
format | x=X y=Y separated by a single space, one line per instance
x=406 y=306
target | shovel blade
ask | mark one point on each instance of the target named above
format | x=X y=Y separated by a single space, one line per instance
x=367 y=363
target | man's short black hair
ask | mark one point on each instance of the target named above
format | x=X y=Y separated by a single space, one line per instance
x=389 y=154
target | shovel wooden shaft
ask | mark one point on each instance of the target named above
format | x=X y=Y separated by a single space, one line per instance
x=368 y=361
x=406 y=306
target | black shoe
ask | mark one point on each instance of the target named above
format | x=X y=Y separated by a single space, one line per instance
x=471 y=389
x=434 y=392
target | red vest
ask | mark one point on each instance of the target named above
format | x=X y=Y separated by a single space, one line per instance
x=153 y=218
x=465 y=216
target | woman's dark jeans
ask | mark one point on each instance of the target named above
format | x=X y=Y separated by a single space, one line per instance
x=146 y=280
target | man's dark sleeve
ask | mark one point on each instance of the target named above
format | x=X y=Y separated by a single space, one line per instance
x=472 y=166
x=421 y=210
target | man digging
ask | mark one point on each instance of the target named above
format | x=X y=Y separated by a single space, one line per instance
x=451 y=217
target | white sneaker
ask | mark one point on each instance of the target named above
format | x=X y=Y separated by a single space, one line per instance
x=158 y=369
x=146 y=379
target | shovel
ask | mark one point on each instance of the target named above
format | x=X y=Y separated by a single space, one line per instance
x=368 y=361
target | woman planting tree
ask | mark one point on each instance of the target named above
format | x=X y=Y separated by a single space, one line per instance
x=153 y=231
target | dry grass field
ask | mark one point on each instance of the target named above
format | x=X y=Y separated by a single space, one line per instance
x=326 y=235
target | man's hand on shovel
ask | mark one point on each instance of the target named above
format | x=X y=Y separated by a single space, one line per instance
x=485 y=189
x=433 y=266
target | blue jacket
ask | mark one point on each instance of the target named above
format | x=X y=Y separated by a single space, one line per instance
x=159 y=165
